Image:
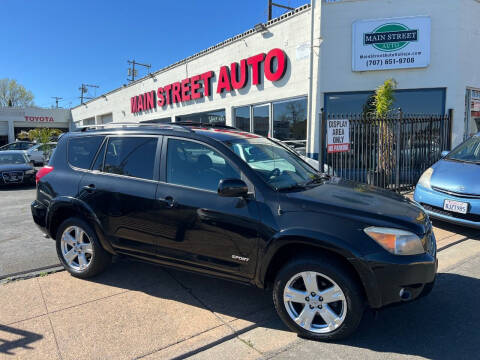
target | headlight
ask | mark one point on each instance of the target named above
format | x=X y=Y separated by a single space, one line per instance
x=425 y=178
x=398 y=242
x=29 y=172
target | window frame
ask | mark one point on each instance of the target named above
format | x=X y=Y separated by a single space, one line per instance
x=163 y=167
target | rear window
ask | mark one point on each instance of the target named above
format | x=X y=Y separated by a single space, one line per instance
x=81 y=150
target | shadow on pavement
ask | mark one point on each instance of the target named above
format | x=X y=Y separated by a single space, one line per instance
x=22 y=339
x=444 y=325
x=441 y=326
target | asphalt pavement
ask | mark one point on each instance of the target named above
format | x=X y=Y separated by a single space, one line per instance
x=23 y=248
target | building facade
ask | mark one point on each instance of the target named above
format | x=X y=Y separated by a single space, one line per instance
x=14 y=120
x=276 y=78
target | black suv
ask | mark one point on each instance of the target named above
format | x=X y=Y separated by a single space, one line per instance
x=224 y=202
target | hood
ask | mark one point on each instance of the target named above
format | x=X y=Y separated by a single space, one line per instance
x=351 y=199
x=460 y=177
x=15 y=167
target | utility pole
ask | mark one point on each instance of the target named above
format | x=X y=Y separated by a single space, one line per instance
x=83 y=90
x=271 y=4
x=56 y=100
x=132 y=72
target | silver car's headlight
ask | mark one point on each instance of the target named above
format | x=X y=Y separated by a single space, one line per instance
x=425 y=178
x=396 y=241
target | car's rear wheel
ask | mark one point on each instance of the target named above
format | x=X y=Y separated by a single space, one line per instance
x=79 y=250
x=318 y=298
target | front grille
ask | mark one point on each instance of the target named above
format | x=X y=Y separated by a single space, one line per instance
x=457 y=194
x=440 y=211
x=12 y=176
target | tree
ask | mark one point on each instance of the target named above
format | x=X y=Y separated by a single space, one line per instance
x=13 y=94
x=383 y=101
x=42 y=136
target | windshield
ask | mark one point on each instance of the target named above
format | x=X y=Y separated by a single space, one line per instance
x=7 y=159
x=277 y=166
x=469 y=151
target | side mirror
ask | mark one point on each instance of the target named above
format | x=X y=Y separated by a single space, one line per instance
x=444 y=153
x=232 y=188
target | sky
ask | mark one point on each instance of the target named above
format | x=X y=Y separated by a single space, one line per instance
x=53 y=46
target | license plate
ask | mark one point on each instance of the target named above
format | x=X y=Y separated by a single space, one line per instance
x=455 y=206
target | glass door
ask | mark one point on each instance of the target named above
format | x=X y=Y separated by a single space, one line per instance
x=261 y=119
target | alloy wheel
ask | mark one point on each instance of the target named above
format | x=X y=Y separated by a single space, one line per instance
x=77 y=248
x=315 y=302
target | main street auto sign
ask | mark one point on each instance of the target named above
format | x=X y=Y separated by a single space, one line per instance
x=385 y=44
x=338 y=135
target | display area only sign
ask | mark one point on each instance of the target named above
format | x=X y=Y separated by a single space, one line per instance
x=338 y=135
x=385 y=44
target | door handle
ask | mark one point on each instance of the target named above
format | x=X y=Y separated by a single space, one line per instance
x=168 y=201
x=89 y=188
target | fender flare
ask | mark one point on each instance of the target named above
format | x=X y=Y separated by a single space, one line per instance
x=78 y=206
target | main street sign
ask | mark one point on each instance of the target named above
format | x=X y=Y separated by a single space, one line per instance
x=386 y=44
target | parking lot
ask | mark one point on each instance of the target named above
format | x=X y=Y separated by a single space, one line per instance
x=22 y=246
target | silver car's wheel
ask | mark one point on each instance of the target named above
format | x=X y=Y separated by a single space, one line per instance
x=77 y=249
x=315 y=302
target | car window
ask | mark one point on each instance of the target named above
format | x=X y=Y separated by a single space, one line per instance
x=131 y=156
x=469 y=151
x=193 y=164
x=12 y=159
x=81 y=150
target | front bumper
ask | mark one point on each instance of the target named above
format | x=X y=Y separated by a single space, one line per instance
x=390 y=279
x=432 y=201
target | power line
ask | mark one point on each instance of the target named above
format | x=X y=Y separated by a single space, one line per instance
x=56 y=100
x=132 y=72
x=84 y=89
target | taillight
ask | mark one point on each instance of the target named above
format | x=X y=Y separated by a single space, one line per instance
x=42 y=172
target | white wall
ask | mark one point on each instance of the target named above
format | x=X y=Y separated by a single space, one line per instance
x=455 y=33
x=286 y=35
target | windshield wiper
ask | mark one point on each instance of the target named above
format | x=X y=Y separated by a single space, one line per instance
x=318 y=179
x=293 y=187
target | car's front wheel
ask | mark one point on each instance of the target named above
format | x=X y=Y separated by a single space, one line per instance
x=318 y=298
x=79 y=250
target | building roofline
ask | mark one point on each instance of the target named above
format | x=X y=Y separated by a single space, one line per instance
x=224 y=43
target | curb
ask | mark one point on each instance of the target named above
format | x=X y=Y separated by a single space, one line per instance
x=46 y=270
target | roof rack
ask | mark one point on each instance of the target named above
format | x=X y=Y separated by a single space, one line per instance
x=123 y=125
x=199 y=124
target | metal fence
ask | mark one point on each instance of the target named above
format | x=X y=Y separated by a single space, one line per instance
x=390 y=152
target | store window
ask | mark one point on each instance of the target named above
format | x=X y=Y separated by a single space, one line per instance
x=472 y=112
x=414 y=101
x=242 y=118
x=209 y=117
x=89 y=121
x=261 y=119
x=290 y=119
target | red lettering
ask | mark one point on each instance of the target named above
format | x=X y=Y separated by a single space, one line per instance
x=206 y=82
x=195 y=85
x=176 y=93
x=167 y=92
x=255 y=62
x=274 y=75
x=133 y=105
x=223 y=80
x=51 y=119
x=140 y=101
x=160 y=97
x=150 y=100
x=239 y=84
x=186 y=90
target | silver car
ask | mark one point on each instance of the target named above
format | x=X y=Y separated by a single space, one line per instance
x=39 y=153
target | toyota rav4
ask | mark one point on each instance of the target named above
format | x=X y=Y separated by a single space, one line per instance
x=232 y=204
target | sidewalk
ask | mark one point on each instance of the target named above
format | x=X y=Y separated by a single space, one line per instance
x=137 y=310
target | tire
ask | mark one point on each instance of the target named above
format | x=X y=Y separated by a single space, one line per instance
x=94 y=260
x=344 y=309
